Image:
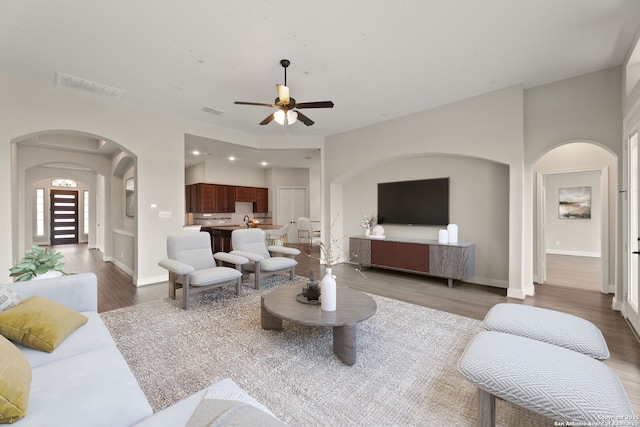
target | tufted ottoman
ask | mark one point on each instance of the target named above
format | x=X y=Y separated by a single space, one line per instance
x=555 y=382
x=550 y=326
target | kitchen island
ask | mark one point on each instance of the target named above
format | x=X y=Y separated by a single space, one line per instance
x=221 y=234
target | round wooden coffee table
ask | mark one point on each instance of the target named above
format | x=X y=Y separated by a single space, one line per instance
x=352 y=307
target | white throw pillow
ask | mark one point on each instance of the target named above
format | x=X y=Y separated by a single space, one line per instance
x=9 y=298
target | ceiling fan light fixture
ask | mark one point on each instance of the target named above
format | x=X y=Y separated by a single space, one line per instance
x=292 y=117
x=280 y=115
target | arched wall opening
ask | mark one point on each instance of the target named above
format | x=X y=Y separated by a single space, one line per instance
x=478 y=204
x=100 y=165
x=569 y=165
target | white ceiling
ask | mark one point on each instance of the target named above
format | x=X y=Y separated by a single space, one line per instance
x=376 y=60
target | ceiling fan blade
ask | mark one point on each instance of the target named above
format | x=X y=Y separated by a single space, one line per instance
x=254 y=103
x=268 y=119
x=283 y=94
x=304 y=119
x=321 y=104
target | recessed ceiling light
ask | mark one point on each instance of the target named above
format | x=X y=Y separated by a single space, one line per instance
x=196 y=153
x=232 y=158
x=264 y=163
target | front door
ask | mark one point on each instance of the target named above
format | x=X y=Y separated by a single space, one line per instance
x=64 y=217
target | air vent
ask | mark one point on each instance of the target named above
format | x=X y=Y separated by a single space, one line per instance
x=83 y=85
x=212 y=110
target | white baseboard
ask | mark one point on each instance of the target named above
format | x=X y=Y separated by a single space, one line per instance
x=573 y=253
x=122 y=267
x=151 y=280
x=496 y=283
x=516 y=293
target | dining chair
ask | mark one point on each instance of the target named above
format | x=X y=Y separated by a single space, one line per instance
x=277 y=237
x=305 y=230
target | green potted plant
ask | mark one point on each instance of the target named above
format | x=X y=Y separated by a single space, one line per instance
x=37 y=263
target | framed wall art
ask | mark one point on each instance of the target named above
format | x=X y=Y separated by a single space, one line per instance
x=574 y=203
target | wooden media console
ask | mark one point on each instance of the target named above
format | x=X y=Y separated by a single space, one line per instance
x=452 y=261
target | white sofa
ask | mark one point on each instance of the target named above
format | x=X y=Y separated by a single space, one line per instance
x=85 y=381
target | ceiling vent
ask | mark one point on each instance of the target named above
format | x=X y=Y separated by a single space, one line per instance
x=83 y=85
x=212 y=110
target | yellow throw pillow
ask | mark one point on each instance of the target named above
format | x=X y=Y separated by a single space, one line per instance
x=15 y=382
x=40 y=323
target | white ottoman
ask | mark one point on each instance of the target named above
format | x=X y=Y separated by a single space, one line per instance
x=555 y=382
x=553 y=327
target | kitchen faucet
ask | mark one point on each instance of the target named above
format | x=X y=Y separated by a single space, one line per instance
x=246 y=220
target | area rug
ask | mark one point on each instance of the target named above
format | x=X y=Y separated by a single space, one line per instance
x=405 y=374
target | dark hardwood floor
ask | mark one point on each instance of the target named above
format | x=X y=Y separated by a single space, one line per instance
x=115 y=290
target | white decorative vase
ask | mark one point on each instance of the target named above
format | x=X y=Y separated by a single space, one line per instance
x=452 y=229
x=328 y=291
x=367 y=232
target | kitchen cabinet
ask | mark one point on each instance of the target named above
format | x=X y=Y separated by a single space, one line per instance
x=191 y=193
x=225 y=196
x=200 y=198
x=246 y=194
x=210 y=198
x=217 y=198
x=262 y=200
x=241 y=194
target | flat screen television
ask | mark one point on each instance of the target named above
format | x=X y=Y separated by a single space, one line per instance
x=420 y=202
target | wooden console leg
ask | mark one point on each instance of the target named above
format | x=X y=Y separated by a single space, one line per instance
x=486 y=409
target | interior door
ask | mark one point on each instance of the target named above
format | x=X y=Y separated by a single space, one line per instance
x=64 y=217
x=633 y=237
x=292 y=204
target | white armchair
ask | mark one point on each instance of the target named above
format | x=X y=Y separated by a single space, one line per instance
x=192 y=264
x=250 y=244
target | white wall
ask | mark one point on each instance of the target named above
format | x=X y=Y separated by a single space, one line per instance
x=582 y=109
x=478 y=204
x=488 y=127
x=28 y=107
x=225 y=172
x=509 y=126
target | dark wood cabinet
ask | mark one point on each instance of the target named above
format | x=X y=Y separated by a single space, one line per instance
x=200 y=198
x=454 y=261
x=241 y=194
x=262 y=200
x=225 y=196
x=217 y=198
x=191 y=197
x=400 y=255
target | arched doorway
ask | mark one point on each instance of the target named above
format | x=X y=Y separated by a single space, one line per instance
x=100 y=164
x=583 y=242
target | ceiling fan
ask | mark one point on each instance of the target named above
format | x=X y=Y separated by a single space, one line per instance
x=285 y=105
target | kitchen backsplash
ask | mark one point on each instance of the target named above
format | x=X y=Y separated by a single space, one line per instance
x=213 y=219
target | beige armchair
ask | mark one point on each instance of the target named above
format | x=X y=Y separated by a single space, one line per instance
x=192 y=265
x=250 y=244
